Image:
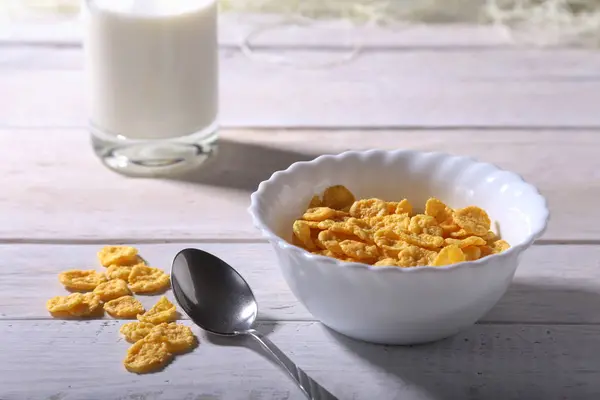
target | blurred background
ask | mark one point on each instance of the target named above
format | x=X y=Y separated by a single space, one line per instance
x=538 y=22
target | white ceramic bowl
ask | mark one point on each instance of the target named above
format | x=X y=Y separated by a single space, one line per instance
x=394 y=305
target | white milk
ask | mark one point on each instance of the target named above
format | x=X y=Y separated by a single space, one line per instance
x=152 y=67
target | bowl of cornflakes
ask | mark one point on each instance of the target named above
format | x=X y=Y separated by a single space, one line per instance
x=398 y=247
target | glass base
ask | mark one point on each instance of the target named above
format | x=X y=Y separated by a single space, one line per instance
x=157 y=157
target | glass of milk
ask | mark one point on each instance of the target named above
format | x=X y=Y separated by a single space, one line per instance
x=152 y=83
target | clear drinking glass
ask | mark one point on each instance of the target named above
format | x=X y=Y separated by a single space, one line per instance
x=152 y=83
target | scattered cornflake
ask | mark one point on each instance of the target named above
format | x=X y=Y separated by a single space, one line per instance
x=118 y=255
x=155 y=338
x=112 y=289
x=81 y=280
x=118 y=272
x=179 y=338
x=75 y=305
x=147 y=355
x=145 y=279
x=162 y=311
x=124 y=307
x=134 y=331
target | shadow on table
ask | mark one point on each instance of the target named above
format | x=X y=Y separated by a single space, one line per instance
x=567 y=302
x=243 y=166
x=264 y=327
x=501 y=361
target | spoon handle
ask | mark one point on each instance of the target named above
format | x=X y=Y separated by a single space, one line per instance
x=309 y=387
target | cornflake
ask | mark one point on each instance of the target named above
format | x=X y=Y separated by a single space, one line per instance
x=82 y=280
x=145 y=279
x=369 y=208
x=162 y=311
x=118 y=255
x=118 y=272
x=337 y=197
x=388 y=233
x=473 y=220
x=449 y=255
x=178 y=338
x=112 y=290
x=124 y=307
x=134 y=331
x=75 y=305
x=147 y=355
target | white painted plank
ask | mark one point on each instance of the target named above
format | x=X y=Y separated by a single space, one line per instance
x=554 y=284
x=289 y=32
x=73 y=360
x=508 y=88
x=55 y=188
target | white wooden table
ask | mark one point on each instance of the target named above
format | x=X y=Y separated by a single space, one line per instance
x=457 y=89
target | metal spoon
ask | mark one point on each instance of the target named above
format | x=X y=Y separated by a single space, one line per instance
x=218 y=299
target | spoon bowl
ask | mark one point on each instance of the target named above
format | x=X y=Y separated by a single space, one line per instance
x=212 y=294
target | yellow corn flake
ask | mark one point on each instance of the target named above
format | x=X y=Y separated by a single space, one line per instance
x=81 y=279
x=404 y=207
x=314 y=224
x=302 y=233
x=391 y=206
x=331 y=241
x=490 y=237
x=449 y=228
x=338 y=197
x=472 y=253
x=118 y=272
x=359 y=250
x=63 y=305
x=124 y=307
x=75 y=305
x=422 y=240
x=314 y=235
x=394 y=222
x=368 y=208
x=438 y=210
x=315 y=202
x=378 y=232
x=112 y=289
x=466 y=242
x=414 y=256
x=389 y=242
x=387 y=262
x=147 y=355
x=449 y=255
x=162 y=311
x=499 y=246
x=422 y=223
x=118 y=255
x=134 y=331
x=460 y=234
x=486 y=251
x=473 y=219
x=145 y=279
x=178 y=338
x=326 y=253
x=321 y=214
x=356 y=227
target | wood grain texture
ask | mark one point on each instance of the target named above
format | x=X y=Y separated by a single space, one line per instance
x=554 y=284
x=485 y=362
x=55 y=188
x=425 y=88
